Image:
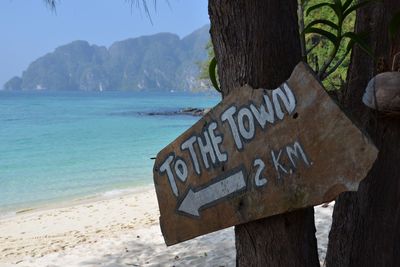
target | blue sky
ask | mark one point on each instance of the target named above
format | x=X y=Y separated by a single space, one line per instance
x=28 y=29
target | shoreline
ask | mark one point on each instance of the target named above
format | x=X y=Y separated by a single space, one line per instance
x=71 y=200
x=58 y=227
x=118 y=230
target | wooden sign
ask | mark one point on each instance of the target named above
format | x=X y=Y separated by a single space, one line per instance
x=256 y=154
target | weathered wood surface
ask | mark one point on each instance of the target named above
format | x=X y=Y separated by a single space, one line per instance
x=268 y=152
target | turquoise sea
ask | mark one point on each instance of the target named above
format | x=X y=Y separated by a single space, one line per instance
x=63 y=145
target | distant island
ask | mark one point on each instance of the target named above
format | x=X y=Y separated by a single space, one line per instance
x=160 y=62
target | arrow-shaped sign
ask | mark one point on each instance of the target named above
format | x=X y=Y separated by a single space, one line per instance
x=292 y=135
x=207 y=196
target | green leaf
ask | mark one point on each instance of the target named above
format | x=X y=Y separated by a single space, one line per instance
x=347 y=4
x=328 y=35
x=338 y=63
x=322 y=21
x=359 y=40
x=349 y=47
x=338 y=8
x=355 y=7
x=338 y=3
x=318 y=6
x=394 y=25
x=212 y=71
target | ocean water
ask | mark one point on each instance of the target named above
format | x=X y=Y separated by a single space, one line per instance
x=63 y=145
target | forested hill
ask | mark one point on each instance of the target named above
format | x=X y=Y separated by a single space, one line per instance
x=158 y=62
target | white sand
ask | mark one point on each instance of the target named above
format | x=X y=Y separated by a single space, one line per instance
x=119 y=231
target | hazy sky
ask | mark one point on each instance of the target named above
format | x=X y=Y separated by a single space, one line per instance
x=28 y=29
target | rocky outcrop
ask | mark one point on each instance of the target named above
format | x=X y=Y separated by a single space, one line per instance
x=159 y=62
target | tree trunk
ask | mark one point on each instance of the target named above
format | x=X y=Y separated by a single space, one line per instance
x=366 y=224
x=257 y=43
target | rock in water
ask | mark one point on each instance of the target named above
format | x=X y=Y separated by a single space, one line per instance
x=183 y=111
x=383 y=93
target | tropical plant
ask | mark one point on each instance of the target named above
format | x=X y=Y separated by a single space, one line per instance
x=208 y=69
x=213 y=74
x=326 y=41
x=334 y=30
x=139 y=4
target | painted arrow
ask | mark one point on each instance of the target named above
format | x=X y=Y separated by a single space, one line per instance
x=207 y=196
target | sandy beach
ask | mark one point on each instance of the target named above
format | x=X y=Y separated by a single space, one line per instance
x=119 y=230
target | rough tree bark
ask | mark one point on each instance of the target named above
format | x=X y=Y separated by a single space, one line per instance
x=366 y=224
x=257 y=43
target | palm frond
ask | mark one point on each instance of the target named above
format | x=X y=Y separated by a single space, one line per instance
x=51 y=4
x=144 y=4
x=139 y=4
